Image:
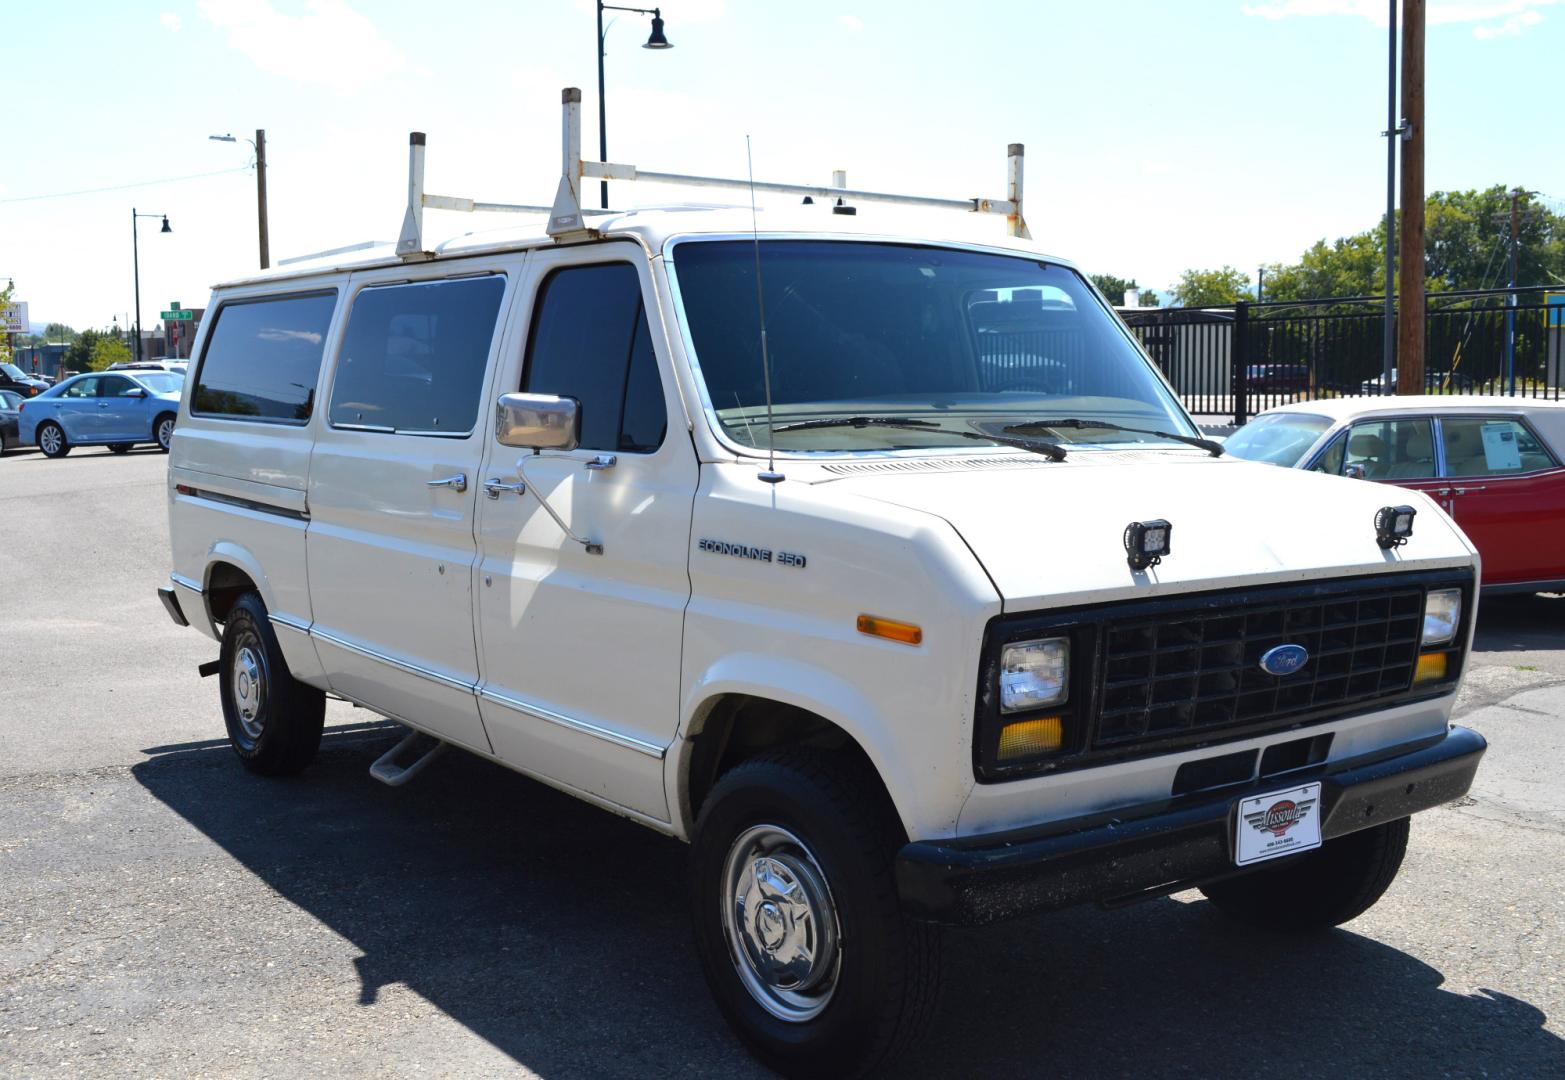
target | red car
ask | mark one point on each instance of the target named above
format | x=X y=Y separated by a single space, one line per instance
x=1495 y=464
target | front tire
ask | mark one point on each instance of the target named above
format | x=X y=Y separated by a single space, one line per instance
x=163 y=431
x=52 y=440
x=1338 y=881
x=274 y=721
x=797 y=922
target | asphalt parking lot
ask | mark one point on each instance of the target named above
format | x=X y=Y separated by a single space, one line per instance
x=163 y=913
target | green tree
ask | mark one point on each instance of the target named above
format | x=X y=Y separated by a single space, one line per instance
x=1114 y=288
x=1212 y=288
x=1466 y=246
x=58 y=332
x=5 y=339
x=107 y=350
x=78 y=357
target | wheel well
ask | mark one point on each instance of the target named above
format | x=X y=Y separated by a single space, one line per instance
x=225 y=584
x=739 y=727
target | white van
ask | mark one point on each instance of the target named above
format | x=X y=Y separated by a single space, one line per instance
x=846 y=557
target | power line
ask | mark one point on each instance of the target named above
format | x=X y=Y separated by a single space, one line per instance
x=123 y=187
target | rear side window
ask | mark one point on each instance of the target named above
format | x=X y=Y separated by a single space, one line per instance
x=591 y=341
x=413 y=357
x=1490 y=446
x=263 y=358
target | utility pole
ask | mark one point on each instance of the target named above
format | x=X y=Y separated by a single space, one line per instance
x=260 y=191
x=1260 y=284
x=1410 y=331
x=1388 y=347
x=1510 y=299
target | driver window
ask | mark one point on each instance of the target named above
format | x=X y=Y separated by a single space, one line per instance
x=1330 y=460
x=114 y=386
x=591 y=341
x=1392 y=449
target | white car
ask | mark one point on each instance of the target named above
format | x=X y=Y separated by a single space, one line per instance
x=891 y=634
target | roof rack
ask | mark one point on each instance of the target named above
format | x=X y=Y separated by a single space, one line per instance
x=567 y=218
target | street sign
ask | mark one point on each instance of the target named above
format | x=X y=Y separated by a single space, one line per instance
x=15 y=314
x=177 y=316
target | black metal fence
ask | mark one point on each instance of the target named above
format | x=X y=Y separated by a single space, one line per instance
x=1237 y=361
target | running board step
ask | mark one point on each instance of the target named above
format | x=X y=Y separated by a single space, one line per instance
x=416 y=751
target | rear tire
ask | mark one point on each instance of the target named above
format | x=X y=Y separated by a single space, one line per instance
x=1339 y=881
x=163 y=431
x=52 y=440
x=797 y=921
x=274 y=721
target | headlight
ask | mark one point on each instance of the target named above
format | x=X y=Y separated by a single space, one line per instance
x=1442 y=611
x=1034 y=674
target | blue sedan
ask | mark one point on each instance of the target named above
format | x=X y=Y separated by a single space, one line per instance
x=116 y=409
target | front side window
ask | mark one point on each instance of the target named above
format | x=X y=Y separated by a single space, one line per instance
x=961 y=341
x=1490 y=446
x=413 y=356
x=1277 y=438
x=591 y=341
x=114 y=386
x=1392 y=449
x=263 y=358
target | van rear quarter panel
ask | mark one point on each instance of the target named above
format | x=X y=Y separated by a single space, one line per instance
x=249 y=479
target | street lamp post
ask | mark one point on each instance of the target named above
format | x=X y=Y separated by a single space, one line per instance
x=135 y=252
x=258 y=144
x=655 y=40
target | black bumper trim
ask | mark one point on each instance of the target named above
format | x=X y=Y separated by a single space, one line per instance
x=171 y=605
x=1180 y=841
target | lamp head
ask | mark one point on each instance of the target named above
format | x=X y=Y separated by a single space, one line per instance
x=165 y=227
x=657 y=40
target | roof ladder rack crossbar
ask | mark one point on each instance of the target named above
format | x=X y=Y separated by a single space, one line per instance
x=567 y=218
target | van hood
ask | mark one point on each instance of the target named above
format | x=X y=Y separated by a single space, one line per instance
x=1051 y=534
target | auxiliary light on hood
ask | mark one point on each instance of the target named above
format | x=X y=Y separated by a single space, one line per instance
x=1146 y=542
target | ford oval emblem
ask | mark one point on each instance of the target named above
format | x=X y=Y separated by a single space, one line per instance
x=1284 y=659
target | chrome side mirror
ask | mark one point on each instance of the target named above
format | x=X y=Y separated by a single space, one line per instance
x=1354 y=472
x=538 y=422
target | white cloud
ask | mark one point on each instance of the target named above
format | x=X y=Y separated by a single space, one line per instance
x=1510 y=27
x=328 y=43
x=852 y=22
x=689 y=11
x=1513 y=16
x=171 y=21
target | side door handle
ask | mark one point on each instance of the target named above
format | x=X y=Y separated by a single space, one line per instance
x=1465 y=490
x=494 y=487
x=1439 y=491
x=456 y=483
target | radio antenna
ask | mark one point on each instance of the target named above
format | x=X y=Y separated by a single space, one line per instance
x=771 y=475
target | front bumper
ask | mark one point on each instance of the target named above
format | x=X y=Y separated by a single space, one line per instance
x=1156 y=849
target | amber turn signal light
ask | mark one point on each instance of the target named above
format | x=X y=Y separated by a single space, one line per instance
x=1431 y=667
x=1023 y=738
x=891 y=630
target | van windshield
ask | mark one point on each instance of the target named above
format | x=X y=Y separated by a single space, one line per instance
x=954 y=340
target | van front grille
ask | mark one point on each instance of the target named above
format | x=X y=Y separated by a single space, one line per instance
x=1164 y=674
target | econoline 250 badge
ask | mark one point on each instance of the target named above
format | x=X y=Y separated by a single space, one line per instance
x=1280 y=823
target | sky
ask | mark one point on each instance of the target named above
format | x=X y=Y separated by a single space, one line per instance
x=1160 y=136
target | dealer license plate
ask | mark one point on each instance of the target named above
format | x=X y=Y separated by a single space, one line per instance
x=1277 y=824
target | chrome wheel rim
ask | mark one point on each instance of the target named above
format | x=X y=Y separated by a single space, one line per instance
x=165 y=433
x=49 y=440
x=248 y=688
x=780 y=923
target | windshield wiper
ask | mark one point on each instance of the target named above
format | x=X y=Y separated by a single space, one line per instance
x=1038 y=427
x=1053 y=451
